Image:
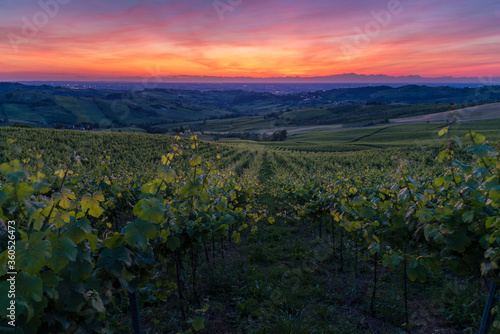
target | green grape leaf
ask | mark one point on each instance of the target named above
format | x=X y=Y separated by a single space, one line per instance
x=50 y=279
x=430 y=231
x=484 y=242
x=138 y=233
x=417 y=273
x=466 y=168
x=30 y=286
x=198 y=323
x=39 y=176
x=398 y=222
x=495 y=196
x=152 y=187
x=92 y=239
x=114 y=241
x=443 y=155
x=236 y=237
x=458 y=240
x=226 y=220
x=24 y=190
x=481 y=151
x=191 y=188
x=79 y=270
x=492 y=221
x=412 y=274
x=479 y=138
x=167 y=159
x=439 y=181
x=424 y=215
x=85 y=225
x=492 y=182
x=232 y=195
x=127 y=275
x=60 y=173
x=173 y=243
x=37 y=218
x=70 y=300
x=10 y=167
x=91 y=204
x=195 y=160
x=41 y=187
x=165 y=233
x=391 y=261
x=63 y=251
x=222 y=206
x=75 y=232
x=468 y=217
x=167 y=174
x=113 y=260
x=443 y=131
x=32 y=255
x=61 y=219
x=63 y=199
x=366 y=212
x=150 y=210
x=358 y=200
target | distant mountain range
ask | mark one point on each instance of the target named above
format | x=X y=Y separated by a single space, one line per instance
x=339 y=78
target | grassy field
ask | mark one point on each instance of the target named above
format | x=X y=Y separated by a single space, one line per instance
x=472 y=113
x=389 y=136
x=15 y=111
x=307 y=120
x=84 y=110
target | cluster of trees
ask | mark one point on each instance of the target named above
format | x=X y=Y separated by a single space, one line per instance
x=275 y=136
x=276 y=114
x=82 y=125
x=234 y=114
x=156 y=130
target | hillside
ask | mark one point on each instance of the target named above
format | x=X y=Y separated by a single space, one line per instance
x=466 y=114
x=161 y=110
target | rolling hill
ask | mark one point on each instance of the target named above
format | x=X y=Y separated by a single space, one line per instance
x=160 y=110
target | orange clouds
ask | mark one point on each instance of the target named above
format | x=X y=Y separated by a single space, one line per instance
x=113 y=39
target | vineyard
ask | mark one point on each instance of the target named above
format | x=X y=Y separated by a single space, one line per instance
x=122 y=233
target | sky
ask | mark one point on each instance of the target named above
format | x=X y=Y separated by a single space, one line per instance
x=117 y=39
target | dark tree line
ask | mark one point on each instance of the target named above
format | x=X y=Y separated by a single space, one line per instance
x=275 y=136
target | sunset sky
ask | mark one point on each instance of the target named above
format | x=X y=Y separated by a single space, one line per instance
x=114 y=39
